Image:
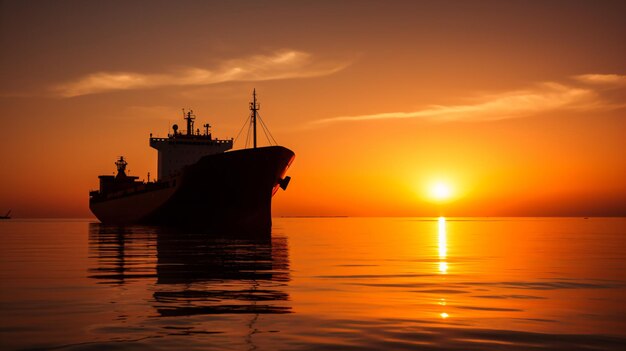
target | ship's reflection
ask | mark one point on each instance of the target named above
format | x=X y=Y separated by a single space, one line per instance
x=192 y=273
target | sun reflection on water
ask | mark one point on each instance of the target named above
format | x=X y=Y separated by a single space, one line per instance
x=443 y=246
x=443 y=267
x=442 y=240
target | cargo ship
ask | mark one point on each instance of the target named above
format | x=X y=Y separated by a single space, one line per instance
x=201 y=183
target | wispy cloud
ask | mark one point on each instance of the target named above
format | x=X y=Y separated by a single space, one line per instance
x=281 y=64
x=540 y=98
x=612 y=79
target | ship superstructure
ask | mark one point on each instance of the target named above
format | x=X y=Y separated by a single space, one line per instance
x=200 y=182
x=186 y=147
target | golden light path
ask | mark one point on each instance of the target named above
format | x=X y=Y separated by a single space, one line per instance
x=442 y=241
x=443 y=245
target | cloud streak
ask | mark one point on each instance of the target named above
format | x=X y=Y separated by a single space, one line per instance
x=540 y=98
x=283 y=64
x=607 y=79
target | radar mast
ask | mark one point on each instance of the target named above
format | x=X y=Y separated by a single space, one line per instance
x=189 y=117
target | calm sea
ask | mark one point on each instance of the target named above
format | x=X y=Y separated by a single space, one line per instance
x=318 y=283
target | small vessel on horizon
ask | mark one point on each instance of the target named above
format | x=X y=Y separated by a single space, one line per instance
x=6 y=216
x=200 y=183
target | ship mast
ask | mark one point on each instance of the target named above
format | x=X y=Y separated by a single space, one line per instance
x=189 y=117
x=254 y=107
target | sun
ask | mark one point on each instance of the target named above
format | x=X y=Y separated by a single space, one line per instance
x=440 y=191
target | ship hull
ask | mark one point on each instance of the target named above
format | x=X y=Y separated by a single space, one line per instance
x=227 y=192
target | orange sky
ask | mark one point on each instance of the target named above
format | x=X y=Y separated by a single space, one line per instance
x=519 y=107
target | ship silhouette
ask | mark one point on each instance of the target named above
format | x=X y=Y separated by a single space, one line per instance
x=201 y=183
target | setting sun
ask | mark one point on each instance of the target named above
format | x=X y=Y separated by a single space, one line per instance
x=440 y=191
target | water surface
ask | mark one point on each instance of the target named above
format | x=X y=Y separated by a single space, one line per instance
x=317 y=283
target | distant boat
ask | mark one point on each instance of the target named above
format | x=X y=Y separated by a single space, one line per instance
x=6 y=216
